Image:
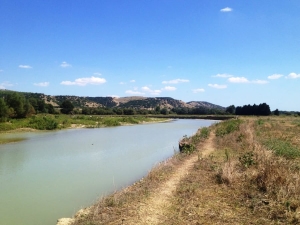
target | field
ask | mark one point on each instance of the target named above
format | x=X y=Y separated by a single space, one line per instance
x=240 y=171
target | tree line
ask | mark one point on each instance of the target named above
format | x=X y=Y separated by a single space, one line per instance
x=15 y=105
x=262 y=109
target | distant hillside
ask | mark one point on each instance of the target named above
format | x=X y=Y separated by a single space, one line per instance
x=195 y=104
x=135 y=102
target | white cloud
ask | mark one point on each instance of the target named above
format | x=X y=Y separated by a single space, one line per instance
x=150 y=91
x=132 y=81
x=84 y=81
x=244 y=80
x=5 y=84
x=238 y=80
x=259 y=81
x=275 y=76
x=218 y=86
x=97 y=74
x=169 y=88
x=223 y=75
x=227 y=9
x=122 y=83
x=176 y=81
x=293 y=76
x=25 y=66
x=65 y=65
x=42 y=84
x=198 y=90
x=130 y=92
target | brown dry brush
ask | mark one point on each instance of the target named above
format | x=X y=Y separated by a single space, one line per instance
x=269 y=184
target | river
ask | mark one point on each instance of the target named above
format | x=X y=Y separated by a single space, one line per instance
x=51 y=175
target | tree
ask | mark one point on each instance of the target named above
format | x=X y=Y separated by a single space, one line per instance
x=164 y=111
x=16 y=103
x=276 y=112
x=230 y=109
x=66 y=107
x=3 y=110
x=50 y=108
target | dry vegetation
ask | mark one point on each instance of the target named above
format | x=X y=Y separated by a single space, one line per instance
x=252 y=177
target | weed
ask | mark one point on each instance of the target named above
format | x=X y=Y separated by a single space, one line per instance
x=204 y=132
x=188 y=148
x=260 y=122
x=247 y=159
x=282 y=148
x=227 y=127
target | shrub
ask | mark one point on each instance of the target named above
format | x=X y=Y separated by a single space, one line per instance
x=282 y=148
x=227 y=127
x=247 y=159
x=204 y=132
x=42 y=123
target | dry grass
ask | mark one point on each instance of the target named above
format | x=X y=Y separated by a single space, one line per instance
x=243 y=181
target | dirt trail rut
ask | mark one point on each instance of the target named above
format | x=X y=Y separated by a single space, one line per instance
x=153 y=210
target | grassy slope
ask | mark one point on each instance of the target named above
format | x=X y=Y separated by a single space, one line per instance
x=246 y=180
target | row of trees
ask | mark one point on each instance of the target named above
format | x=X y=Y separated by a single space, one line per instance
x=15 y=105
x=262 y=109
x=157 y=110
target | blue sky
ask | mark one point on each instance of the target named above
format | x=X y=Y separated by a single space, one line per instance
x=223 y=52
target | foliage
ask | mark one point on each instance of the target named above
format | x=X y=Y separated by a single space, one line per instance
x=204 y=132
x=227 y=127
x=261 y=109
x=42 y=123
x=188 y=148
x=3 y=110
x=67 y=107
x=283 y=148
x=276 y=112
x=247 y=159
x=230 y=109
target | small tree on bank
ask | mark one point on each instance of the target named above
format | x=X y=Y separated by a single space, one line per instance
x=66 y=107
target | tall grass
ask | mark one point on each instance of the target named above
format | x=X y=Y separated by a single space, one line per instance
x=282 y=148
x=227 y=127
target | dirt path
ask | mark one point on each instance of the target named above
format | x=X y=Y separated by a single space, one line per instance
x=153 y=210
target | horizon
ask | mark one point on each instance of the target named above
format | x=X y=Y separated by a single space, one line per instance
x=221 y=52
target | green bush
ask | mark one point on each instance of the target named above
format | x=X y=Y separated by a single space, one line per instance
x=227 y=127
x=204 y=132
x=42 y=123
x=111 y=122
x=188 y=148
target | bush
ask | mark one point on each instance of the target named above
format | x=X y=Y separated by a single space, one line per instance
x=227 y=127
x=42 y=123
x=204 y=132
x=282 y=148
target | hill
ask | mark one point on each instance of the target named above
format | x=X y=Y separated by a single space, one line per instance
x=135 y=102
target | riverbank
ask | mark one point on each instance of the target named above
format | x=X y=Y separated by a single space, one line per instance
x=57 y=122
x=246 y=171
x=62 y=121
